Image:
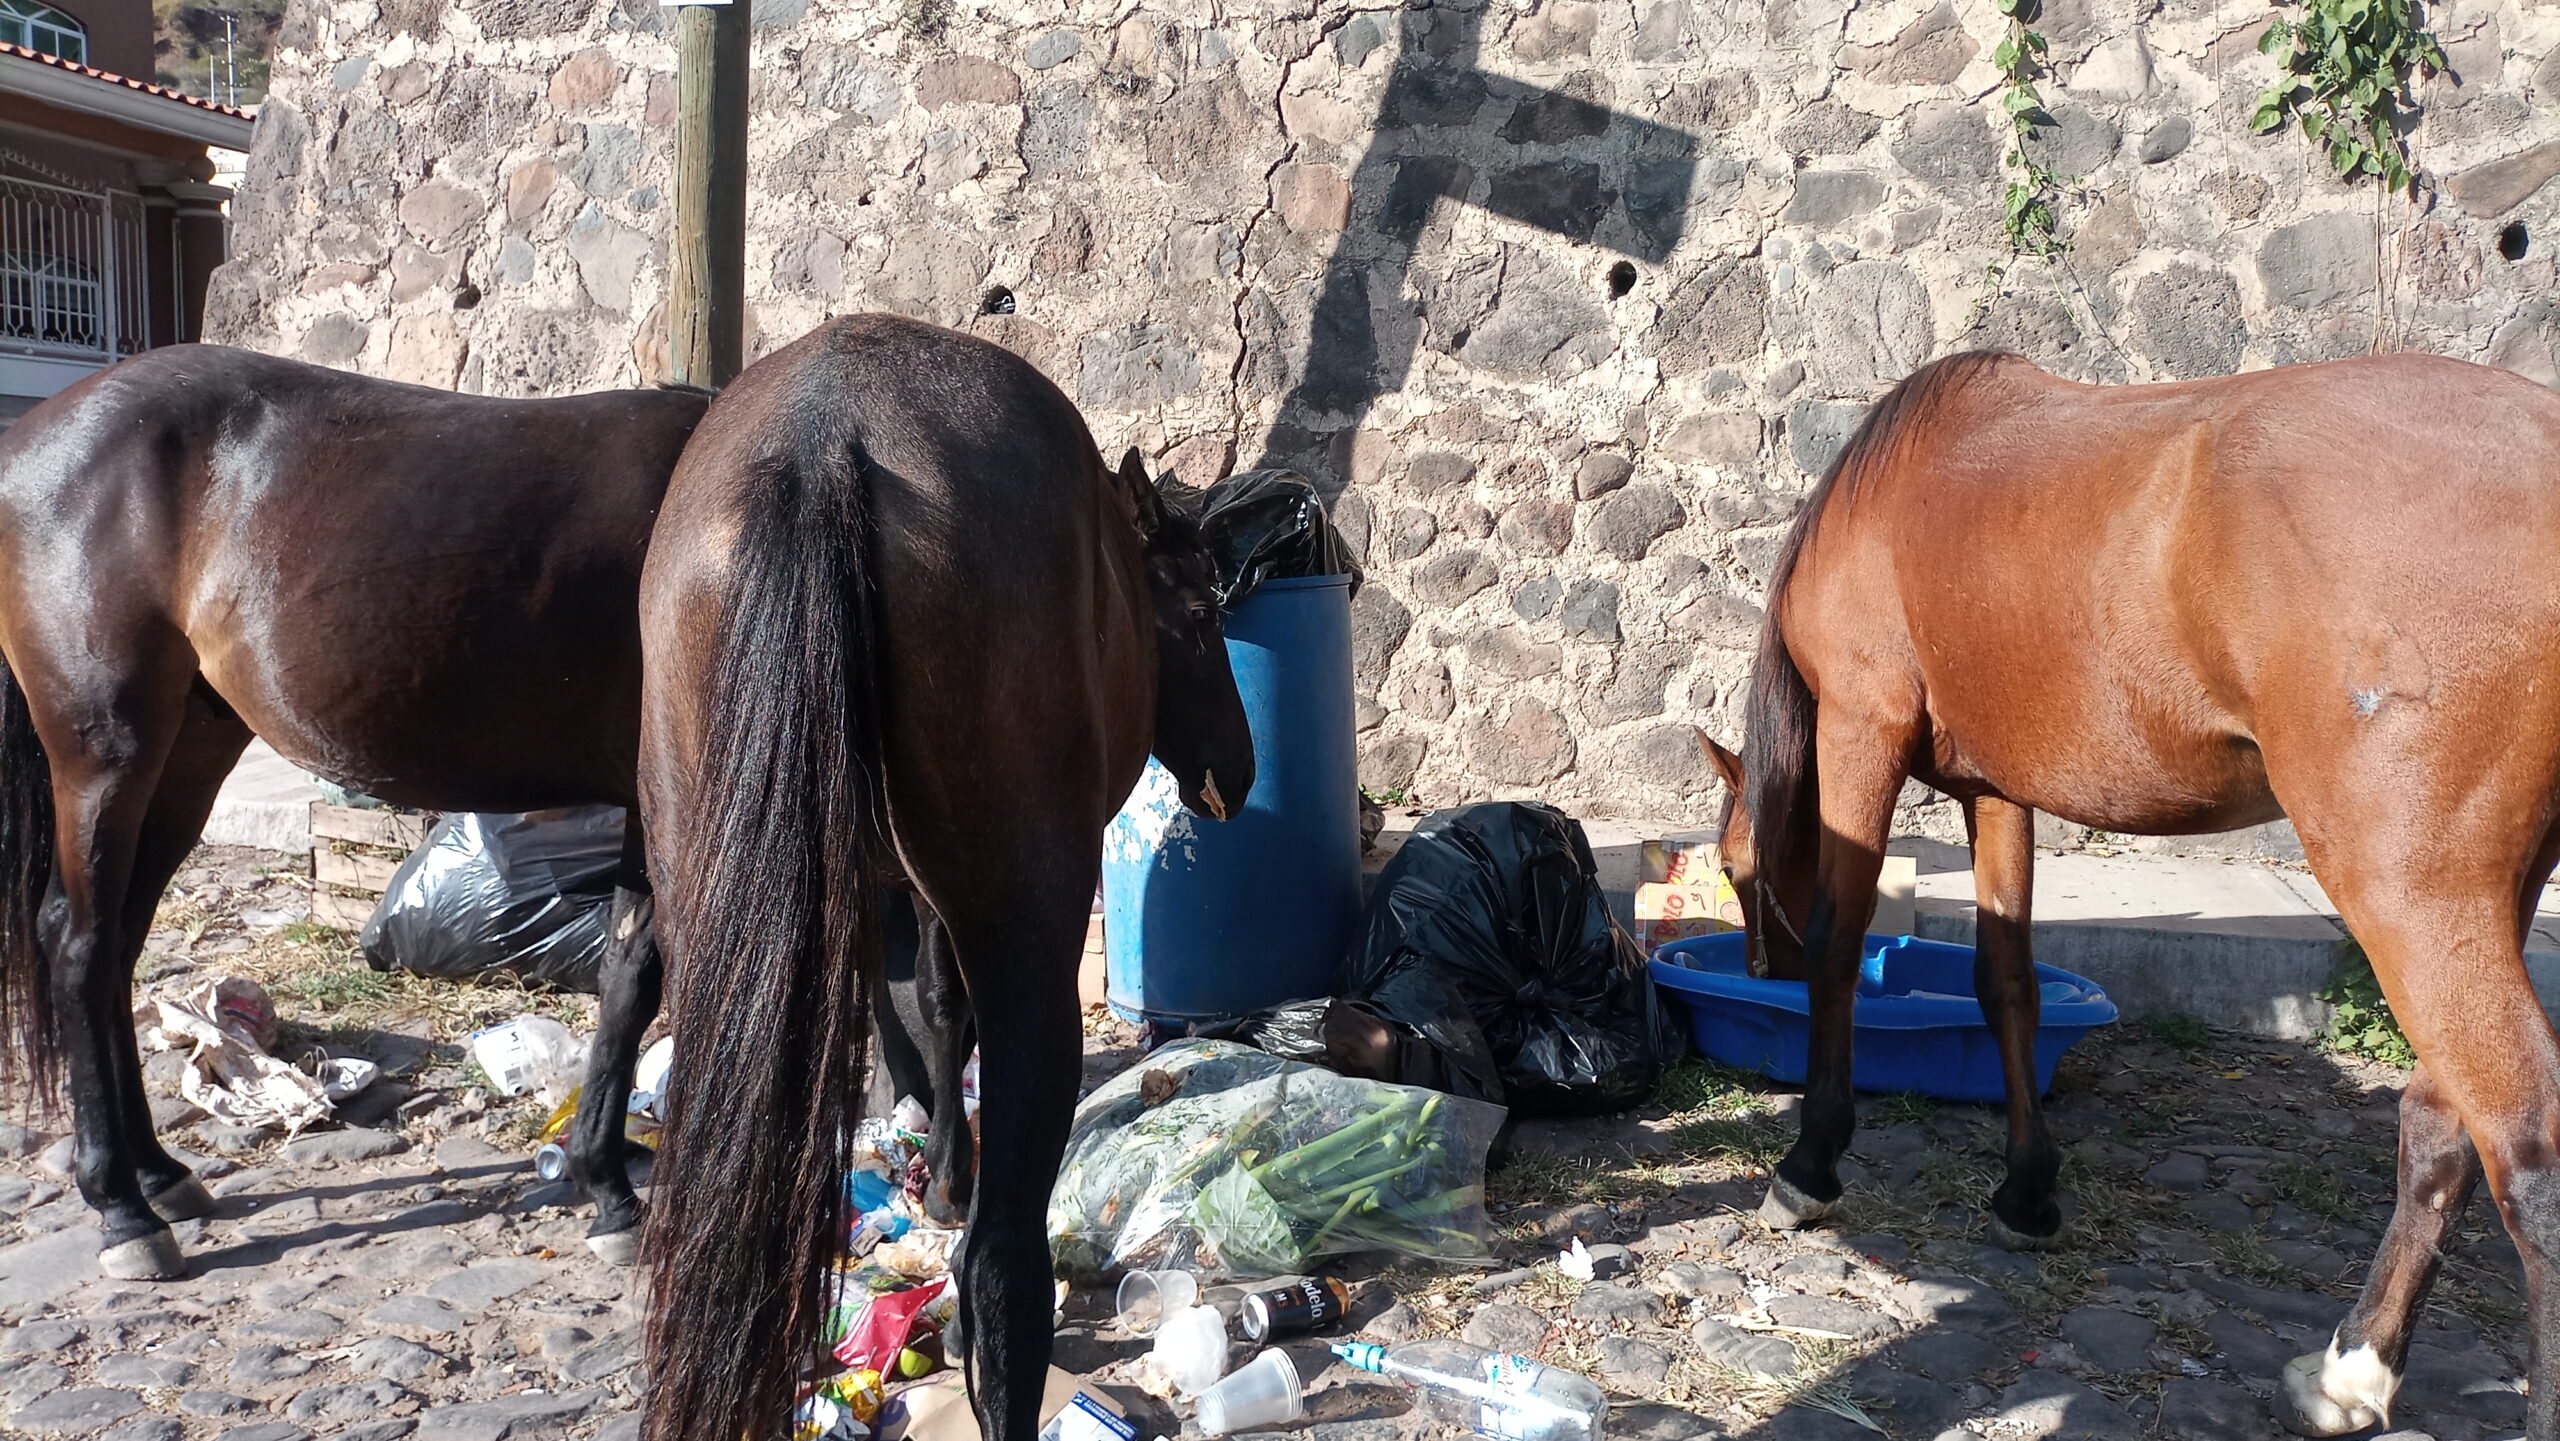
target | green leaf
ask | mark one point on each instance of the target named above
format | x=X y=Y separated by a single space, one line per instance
x=2034 y=39
x=2344 y=155
x=2314 y=124
x=2004 y=56
x=2275 y=37
x=2018 y=101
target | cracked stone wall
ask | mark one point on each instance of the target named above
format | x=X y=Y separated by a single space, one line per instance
x=1566 y=300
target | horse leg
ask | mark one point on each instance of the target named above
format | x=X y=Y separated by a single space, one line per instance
x=2453 y=968
x=900 y=1034
x=2349 y=1386
x=210 y=740
x=1016 y=944
x=952 y=1032
x=1861 y=762
x=2024 y=1215
x=599 y=1154
x=2439 y=1169
x=105 y=791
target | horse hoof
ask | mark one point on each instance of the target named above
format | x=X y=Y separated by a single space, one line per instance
x=188 y=1200
x=2326 y=1394
x=154 y=1257
x=1999 y=1233
x=621 y=1248
x=1787 y=1208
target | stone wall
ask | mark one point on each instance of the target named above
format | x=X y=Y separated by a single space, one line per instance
x=1565 y=299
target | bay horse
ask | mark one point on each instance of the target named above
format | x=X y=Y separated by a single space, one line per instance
x=424 y=596
x=2325 y=592
x=899 y=625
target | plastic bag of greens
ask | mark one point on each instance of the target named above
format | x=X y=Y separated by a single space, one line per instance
x=1223 y=1160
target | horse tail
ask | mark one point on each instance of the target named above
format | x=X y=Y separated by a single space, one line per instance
x=26 y=874
x=1778 y=742
x=770 y=980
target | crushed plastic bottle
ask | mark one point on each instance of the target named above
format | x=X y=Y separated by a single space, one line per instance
x=1510 y=1398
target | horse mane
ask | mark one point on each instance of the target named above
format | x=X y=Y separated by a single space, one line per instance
x=1778 y=738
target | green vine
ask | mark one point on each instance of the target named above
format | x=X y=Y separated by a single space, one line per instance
x=2027 y=213
x=2346 y=74
x=2362 y=1023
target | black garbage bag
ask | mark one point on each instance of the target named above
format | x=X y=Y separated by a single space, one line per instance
x=1495 y=912
x=1360 y=1038
x=526 y=896
x=1269 y=525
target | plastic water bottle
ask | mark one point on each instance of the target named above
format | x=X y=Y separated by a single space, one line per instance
x=1511 y=1398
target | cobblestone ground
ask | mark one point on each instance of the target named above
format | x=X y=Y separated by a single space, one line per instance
x=408 y=1275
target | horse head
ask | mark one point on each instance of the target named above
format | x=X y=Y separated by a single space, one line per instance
x=1770 y=903
x=1201 y=734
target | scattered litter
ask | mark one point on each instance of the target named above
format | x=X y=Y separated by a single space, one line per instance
x=225 y=1027
x=527 y=895
x=1478 y=1390
x=531 y=1053
x=1145 y=1298
x=1264 y=1392
x=1300 y=1307
x=2190 y=1366
x=649 y=1078
x=342 y=1077
x=1254 y=1166
x=1575 y=1263
x=1190 y=1352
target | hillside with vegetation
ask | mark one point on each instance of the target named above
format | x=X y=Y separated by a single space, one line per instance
x=192 y=55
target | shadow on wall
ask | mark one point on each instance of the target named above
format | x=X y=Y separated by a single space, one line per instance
x=1563 y=164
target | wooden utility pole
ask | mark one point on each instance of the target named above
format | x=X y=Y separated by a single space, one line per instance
x=707 y=303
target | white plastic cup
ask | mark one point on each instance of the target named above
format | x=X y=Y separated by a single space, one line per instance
x=1191 y=1349
x=1265 y=1392
x=1147 y=1297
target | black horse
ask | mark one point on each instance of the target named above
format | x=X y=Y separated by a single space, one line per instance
x=429 y=597
x=901 y=627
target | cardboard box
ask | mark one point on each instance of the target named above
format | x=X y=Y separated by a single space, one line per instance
x=1683 y=858
x=938 y=1410
x=1897 y=902
x=1667 y=913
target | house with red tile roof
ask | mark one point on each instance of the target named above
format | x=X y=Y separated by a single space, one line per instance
x=109 y=223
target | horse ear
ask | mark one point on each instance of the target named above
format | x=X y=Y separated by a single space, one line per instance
x=1142 y=493
x=1727 y=764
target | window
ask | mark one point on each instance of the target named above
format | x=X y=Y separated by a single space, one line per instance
x=41 y=27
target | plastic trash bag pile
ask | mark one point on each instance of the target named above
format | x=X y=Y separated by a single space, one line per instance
x=523 y=895
x=1488 y=936
x=1263 y=525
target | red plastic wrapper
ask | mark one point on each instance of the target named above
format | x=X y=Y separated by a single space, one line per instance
x=881 y=1331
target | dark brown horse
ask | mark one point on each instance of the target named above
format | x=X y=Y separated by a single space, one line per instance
x=429 y=597
x=2326 y=592
x=898 y=629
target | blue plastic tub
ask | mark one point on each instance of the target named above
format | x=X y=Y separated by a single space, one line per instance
x=1208 y=919
x=1918 y=1026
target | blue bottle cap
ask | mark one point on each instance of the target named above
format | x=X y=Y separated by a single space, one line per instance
x=1366 y=1355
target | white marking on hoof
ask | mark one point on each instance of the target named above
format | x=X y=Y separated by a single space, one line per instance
x=621 y=1248
x=2327 y=1394
x=1999 y=1233
x=1786 y=1208
x=155 y=1257
x=186 y=1201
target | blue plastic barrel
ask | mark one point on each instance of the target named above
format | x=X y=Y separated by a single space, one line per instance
x=1206 y=919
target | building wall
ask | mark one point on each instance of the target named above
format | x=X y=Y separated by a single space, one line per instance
x=121 y=33
x=1567 y=300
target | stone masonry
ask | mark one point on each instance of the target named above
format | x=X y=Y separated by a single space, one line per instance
x=1566 y=301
